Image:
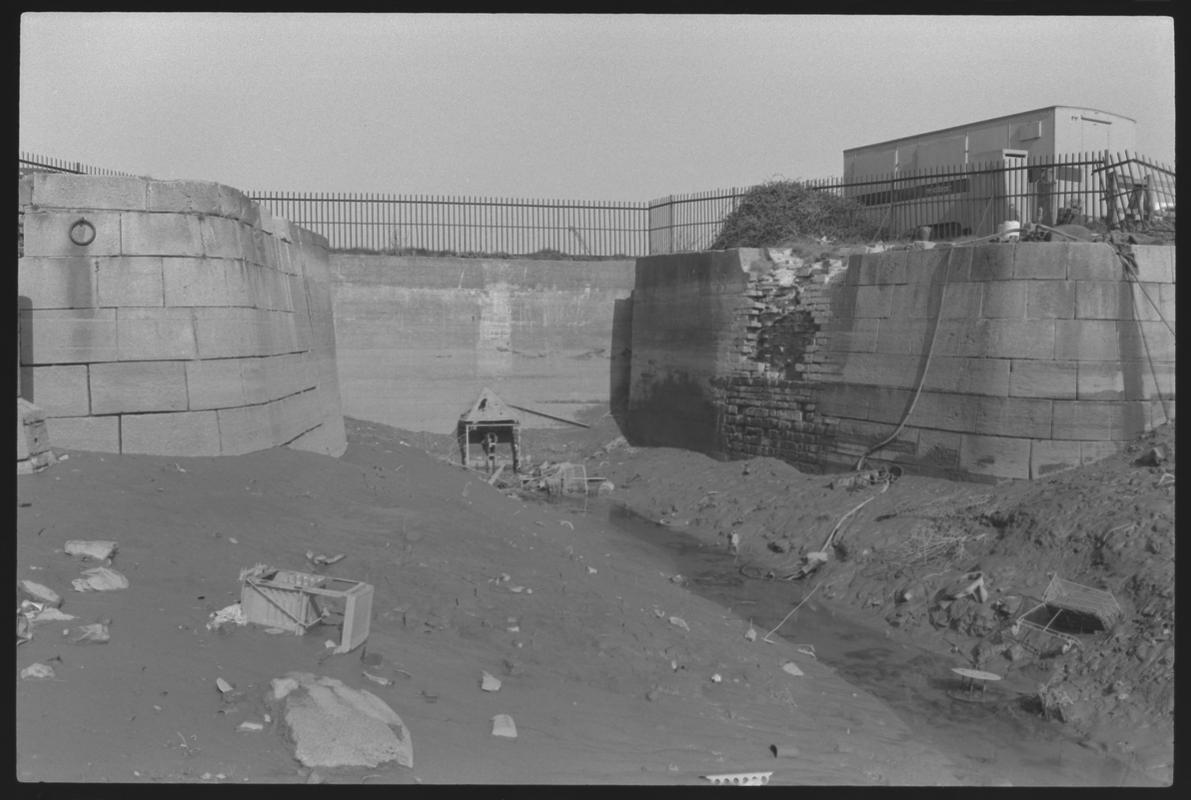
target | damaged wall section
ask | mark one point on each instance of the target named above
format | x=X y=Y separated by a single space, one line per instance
x=1003 y=360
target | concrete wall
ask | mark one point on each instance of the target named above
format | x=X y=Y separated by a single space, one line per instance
x=419 y=337
x=1044 y=357
x=194 y=323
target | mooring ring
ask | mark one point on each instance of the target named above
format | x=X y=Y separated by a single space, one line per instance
x=87 y=226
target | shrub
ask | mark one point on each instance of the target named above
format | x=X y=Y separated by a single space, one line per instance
x=778 y=212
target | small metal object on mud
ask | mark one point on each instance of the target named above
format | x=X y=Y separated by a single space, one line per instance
x=740 y=778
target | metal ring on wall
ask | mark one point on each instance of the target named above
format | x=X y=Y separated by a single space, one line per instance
x=79 y=240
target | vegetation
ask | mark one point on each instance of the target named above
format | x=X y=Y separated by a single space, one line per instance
x=780 y=212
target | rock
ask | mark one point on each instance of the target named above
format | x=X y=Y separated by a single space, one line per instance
x=503 y=725
x=489 y=682
x=791 y=668
x=233 y=613
x=95 y=633
x=100 y=579
x=332 y=724
x=223 y=686
x=37 y=671
x=50 y=614
x=250 y=727
x=99 y=549
x=39 y=593
x=751 y=634
x=679 y=622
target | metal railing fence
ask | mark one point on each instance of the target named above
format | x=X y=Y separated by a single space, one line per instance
x=465 y=225
x=1121 y=191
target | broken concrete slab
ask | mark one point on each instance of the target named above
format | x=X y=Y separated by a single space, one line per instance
x=334 y=725
x=100 y=579
x=39 y=593
x=98 y=550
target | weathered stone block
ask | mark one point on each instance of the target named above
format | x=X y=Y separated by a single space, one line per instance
x=945 y=411
x=1013 y=416
x=901 y=336
x=47 y=233
x=1005 y=300
x=57 y=282
x=1101 y=380
x=72 y=336
x=1145 y=340
x=153 y=334
x=125 y=387
x=1047 y=457
x=882 y=268
x=885 y=404
x=1098 y=420
x=990 y=262
x=188 y=433
x=88 y=192
x=1154 y=263
x=995 y=456
x=979 y=376
x=60 y=391
x=229 y=333
x=1041 y=261
x=160 y=234
x=1086 y=340
x=880 y=369
x=1156 y=381
x=939 y=449
x=214 y=384
x=197 y=282
x=1103 y=300
x=1148 y=301
x=245 y=430
x=873 y=301
x=1092 y=261
x=236 y=205
x=995 y=338
x=25 y=191
x=130 y=281
x=1044 y=378
x=962 y=300
x=224 y=238
x=98 y=434
x=1050 y=299
x=187 y=197
x=1091 y=452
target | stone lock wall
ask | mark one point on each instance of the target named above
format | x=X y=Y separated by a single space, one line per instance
x=192 y=323
x=1044 y=355
x=419 y=337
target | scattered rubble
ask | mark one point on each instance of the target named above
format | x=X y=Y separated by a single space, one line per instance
x=503 y=726
x=333 y=725
x=98 y=550
x=100 y=579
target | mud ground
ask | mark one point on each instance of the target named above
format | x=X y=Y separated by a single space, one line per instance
x=572 y=611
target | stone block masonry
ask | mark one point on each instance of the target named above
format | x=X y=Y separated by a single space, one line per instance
x=1041 y=356
x=193 y=323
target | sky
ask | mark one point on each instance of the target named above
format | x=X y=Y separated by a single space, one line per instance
x=565 y=106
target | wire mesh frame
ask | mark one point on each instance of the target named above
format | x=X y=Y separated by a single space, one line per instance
x=1071 y=596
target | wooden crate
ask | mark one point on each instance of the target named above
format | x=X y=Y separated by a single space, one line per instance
x=296 y=601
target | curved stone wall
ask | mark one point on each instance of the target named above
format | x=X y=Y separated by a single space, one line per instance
x=182 y=319
x=1044 y=356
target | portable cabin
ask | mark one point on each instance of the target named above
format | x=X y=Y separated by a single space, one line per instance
x=968 y=178
x=489 y=422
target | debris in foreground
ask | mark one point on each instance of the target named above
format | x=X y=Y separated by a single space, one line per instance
x=100 y=579
x=97 y=550
x=334 y=725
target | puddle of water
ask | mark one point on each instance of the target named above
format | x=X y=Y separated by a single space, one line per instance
x=992 y=737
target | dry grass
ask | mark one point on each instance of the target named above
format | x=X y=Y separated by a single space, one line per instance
x=928 y=544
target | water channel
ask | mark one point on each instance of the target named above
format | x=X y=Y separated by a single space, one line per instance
x=991 y=741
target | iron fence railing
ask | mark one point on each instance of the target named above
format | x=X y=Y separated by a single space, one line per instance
x=409 y=223
x=1122 y=191
x=29 y=162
